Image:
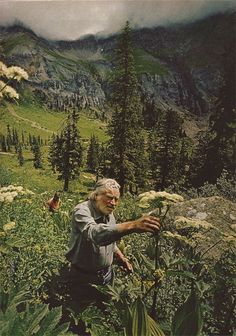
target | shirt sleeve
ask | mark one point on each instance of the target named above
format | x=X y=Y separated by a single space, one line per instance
x=100 y=234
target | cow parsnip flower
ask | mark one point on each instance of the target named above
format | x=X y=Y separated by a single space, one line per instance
x=9 y=226
x=176 y=236
x=16 y=73
x=8 y=199
x=3 y=69
x=145 y=199
x=7 y=90
x=184 y=222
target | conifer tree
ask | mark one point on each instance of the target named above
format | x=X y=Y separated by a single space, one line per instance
x=93 y=154
x=20 y=155
x=66 y=151
x=165 y=147
x=3 y=143
x=36 y=150
x=125 y=129
x=9 y=139
x=218 y=150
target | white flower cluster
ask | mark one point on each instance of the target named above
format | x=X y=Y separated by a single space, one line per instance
x=9 y=193
x=166 y=198
x=12 y=72
x=16 y=73
x=183 y=222
x=6 y=90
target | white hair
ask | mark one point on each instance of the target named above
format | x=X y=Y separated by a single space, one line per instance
x=102 y=185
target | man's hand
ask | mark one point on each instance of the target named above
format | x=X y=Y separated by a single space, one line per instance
x=123 y=262
x=127 y=265
x=147 y=224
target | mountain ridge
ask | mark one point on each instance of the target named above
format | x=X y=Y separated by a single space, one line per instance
x=179 y=66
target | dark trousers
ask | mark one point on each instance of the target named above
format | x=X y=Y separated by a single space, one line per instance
x=82 y=293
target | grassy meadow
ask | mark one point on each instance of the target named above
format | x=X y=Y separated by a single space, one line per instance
x=38 y=121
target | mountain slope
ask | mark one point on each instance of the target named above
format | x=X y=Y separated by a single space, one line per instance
x=179 y=66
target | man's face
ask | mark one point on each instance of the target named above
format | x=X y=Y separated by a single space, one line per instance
x=107 y=201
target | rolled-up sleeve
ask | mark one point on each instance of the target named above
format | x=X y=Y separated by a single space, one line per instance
x=101 y=234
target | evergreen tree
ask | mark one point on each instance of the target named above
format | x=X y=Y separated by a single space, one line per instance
x=9 y=139
x=20 y=155
x=165 y=147
x=219 y=148
x=125 y=129
x=93 y=154
x=3 y=143
x=66 y=151
x=35 y=148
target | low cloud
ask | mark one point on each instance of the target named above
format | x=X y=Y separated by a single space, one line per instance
x=70 y=20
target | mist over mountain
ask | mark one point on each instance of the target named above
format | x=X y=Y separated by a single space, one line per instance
x=179 y=66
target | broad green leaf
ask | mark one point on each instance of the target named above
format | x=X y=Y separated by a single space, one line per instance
x=50 y=321
x=139 y=319
x=33 y=320
x=188 y=318
x=61 y=330
x=155 y=329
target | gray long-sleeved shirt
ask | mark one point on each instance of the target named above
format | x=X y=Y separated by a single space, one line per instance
x=93 y=237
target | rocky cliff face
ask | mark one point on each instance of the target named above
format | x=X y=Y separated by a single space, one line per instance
x=179 y=67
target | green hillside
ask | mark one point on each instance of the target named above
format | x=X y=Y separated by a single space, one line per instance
x=41 y=121
x=35 y=120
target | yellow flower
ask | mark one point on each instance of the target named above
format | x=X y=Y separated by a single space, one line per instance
x=9 y=226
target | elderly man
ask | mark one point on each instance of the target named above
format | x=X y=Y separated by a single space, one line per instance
x=93 y=237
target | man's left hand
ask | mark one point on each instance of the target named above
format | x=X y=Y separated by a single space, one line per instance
x=127 y=265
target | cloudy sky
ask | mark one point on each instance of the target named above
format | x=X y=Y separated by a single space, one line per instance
x=70 y=20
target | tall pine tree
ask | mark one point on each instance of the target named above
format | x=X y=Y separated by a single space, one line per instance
x=66 y=151
x=219 y=148
x=165 y=148
x=93 y=154
x=125 y=129
x=36 y=150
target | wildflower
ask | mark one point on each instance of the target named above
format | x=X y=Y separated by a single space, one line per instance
x=3 y=69
x=146 y=198
x=9 y=226
x=230 y=239
x=16 y=73
x=9 y=199
x=183 y=222
x=2 y=234
x=8 y=90
x=159 y=274
x=176 y=236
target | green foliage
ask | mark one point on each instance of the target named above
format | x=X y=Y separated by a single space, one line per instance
x=93 y=154
x=224 y=187
x=19 y=317
x=66 y=151
x=139 y=322
x=6 y=177
x=168 y=152
x=188 y=318
x=146 y=63
x=127 y=140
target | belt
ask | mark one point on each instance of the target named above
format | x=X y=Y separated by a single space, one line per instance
x=100 y=272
